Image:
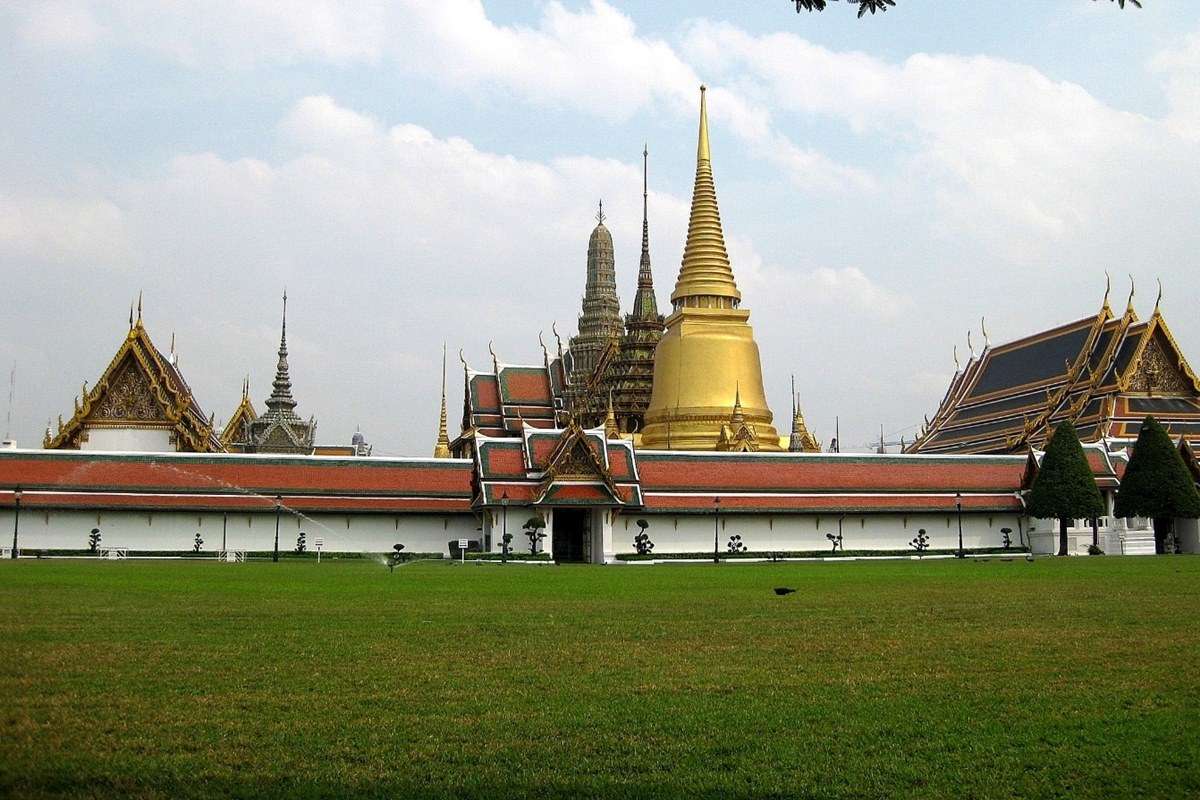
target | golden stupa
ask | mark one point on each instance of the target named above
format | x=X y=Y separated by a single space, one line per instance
x=708 y=387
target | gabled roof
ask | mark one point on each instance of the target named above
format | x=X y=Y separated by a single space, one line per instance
x=562 y=465
x=140 y=387
x=510 y=398
x=1093 y=371
x=236 y=432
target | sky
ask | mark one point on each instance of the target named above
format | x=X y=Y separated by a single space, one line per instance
x=420 y=172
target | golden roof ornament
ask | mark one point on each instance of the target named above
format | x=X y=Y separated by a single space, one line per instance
x=706 y=271
x=442 y=447
x=611 y=431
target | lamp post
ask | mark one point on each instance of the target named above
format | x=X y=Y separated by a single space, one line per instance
x=716 y=529
x=958 y=505
x=278 y=507
x=16 y=518
x=504 y=527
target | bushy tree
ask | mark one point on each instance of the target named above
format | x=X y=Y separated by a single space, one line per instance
x=641 y=542
x=736 y=545
x=835 y=540
x=301 y=542
x=920 y=542
x=1065 y=488
x=505 y=547
x=94 y=539
x=1157 y=484
x=197 y=543
x=534 y=528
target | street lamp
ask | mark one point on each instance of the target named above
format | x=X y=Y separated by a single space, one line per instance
x=958 y=505
x=716 y=529
x=16 y=518
x=504 y=527
x=278 y=507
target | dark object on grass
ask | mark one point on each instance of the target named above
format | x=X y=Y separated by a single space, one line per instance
x=1029 y=557
x=1065 y=488
x=1157 y=484
x=505 y=547
x=94 y=539
x=783 y=590
x=1093 y=550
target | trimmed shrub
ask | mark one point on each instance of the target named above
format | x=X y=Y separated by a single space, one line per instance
x=1065 y=488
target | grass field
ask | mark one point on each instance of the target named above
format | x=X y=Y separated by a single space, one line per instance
x=1063 y=678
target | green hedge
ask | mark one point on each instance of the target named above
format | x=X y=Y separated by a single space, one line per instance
x=511 y=557
x=758 y=554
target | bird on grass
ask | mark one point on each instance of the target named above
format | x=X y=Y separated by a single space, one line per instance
x=782 y=590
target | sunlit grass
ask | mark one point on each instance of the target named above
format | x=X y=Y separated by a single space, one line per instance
x=1062 y=678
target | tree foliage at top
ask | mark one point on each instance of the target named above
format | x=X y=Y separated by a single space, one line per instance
x=1157 y=483
x=1065 y=487
x=882 y=5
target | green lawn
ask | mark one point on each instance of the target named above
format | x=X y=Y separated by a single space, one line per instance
x=1063 y=678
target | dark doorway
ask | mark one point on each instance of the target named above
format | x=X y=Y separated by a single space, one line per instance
x=571 y=534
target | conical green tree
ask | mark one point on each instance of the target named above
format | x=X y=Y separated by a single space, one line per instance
x=1065 y=488
x=1157 y=484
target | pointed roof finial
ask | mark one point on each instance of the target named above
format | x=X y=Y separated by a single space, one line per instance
x=1129 y=303
x=139 y=314
x=131 y=315
x=983 y=327
x=1158 y=300
x=600 y=213
x=957 y=368
x=1107 y=287
x=703 y=152
x=611 y=430
x=441 y=448
x=970 y=346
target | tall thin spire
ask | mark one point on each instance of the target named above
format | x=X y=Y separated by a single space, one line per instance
x=442 y=448
x=645 y=305
x=706 y=271
x=281 y=394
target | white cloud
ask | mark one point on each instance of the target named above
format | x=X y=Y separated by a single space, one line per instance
x=60 y=25
x=63 y=230
x=1181 y=67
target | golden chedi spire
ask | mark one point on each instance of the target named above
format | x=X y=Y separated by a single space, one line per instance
x=706 y=367
x=706 y=271
x=442 y=448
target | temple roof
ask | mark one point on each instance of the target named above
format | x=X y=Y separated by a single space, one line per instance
x=140 y=387
x=236 y=432
x=1103 y=372
x=561 y=466
x=828 y=483
x=224 y=482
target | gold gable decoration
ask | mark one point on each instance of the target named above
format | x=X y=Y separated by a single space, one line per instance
x=236 y=434
x=138 y=387
x=574 y=459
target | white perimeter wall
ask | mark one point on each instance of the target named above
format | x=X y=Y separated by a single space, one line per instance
x=174 y=530
x=375 y=533
x=759 y=532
